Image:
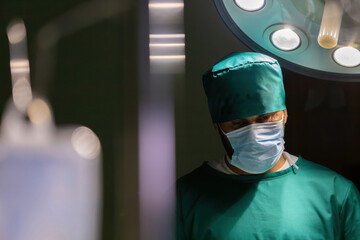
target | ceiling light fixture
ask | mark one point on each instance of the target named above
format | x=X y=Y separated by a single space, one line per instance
x=301 y=35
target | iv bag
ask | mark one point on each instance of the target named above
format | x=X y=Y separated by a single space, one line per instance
x=48 y=189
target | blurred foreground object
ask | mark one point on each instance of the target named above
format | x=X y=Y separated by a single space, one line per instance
x=49 y=186
x=50 y=182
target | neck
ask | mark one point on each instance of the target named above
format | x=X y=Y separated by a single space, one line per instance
x=275 y=168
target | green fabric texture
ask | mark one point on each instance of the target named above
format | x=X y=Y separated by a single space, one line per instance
x=242 y=85
x=310 y=203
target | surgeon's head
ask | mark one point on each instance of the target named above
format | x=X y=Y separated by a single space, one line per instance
x=246 y=100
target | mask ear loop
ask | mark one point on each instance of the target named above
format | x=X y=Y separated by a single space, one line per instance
x=291 y=162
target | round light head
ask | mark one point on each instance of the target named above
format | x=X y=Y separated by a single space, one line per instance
x=250 y=5
x=347 y=57
x=285 y=39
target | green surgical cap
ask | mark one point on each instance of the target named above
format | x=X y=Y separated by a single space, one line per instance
x=242 y=85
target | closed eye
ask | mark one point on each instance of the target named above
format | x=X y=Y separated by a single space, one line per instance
x=240 y=123
x=265 y=117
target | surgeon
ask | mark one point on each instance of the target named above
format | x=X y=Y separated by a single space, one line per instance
x=257 y=190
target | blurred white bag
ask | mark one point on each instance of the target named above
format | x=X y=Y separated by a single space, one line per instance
x=50 y=181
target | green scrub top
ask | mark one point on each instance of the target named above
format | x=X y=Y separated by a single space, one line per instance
x=312 y=202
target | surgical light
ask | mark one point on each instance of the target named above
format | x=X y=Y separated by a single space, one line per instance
x=250 y=5
x=285 y=39
x=301 y=35
x=347 y=56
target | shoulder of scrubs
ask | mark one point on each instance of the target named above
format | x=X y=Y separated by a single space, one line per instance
x=184 y=194
x=339 y=190
x=350 y=214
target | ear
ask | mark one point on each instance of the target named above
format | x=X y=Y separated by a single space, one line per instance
x=285 y=116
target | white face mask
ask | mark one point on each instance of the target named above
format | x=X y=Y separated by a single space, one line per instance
x=257 y=147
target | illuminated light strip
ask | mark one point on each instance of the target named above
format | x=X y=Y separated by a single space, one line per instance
x=166 y=57
x=20 y=70
x=167 y=35
x=19 y=64
x=167 y=45
x=166 y=5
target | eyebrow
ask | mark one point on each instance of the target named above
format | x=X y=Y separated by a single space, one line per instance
x=267 y=114
x=261 y=115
